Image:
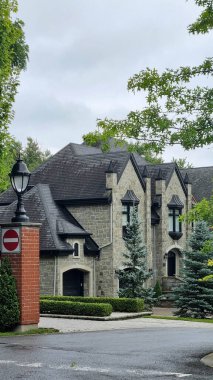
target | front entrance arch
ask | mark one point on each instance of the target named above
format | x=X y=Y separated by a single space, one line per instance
x=171 y=264
x=73 y=283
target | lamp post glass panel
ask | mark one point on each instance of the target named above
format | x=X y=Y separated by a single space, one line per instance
x=19 y=178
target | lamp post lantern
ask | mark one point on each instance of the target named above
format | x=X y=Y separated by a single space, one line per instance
x=19 y=178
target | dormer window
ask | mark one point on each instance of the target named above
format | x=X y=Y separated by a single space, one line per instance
x=76 y=250
x=175 y=207
x=129 y=201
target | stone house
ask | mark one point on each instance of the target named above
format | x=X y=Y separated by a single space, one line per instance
x=83 y=199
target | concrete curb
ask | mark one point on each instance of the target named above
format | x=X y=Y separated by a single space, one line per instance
x=208 y=360
x=112 y=317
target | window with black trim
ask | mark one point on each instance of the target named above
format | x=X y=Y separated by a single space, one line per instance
x=126 y=216
x=129 y=201
x=175 y=225
x=76 y=250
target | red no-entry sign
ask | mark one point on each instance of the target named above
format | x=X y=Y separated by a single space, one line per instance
x=10 y=240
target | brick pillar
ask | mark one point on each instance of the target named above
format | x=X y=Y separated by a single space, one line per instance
x=25 y=267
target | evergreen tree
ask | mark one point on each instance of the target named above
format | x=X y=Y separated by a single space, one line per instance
x=133 y=278
x=194 y=297
x=9 y=305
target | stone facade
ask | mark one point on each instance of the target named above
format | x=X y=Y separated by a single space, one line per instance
x=104 y=222
x=82 y=197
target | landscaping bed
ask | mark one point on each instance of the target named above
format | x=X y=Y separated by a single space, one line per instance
x=129 y=305
x=67 y=307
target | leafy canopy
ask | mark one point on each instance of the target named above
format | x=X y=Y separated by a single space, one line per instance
x=13 y=59
x=32 y=155
x=176 y=111
x=202 y=210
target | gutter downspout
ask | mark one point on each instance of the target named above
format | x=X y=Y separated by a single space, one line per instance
x=54 y=280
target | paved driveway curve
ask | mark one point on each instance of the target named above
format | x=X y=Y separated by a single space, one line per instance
x=76 y=325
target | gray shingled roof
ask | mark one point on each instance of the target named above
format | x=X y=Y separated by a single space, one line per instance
x=201 y=180
x=76 y=177
x=56 y=223
x=166 y=170
x=130 y=197
x=175 y=202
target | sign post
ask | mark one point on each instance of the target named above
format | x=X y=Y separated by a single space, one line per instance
x=10 y=240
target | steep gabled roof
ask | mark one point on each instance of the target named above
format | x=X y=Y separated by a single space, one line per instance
x=78 y=178
x=201 y=180
x=163 y=172
x=41 y=208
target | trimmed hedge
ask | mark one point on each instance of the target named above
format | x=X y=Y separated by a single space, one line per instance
x=118 y=304
x=66 y=307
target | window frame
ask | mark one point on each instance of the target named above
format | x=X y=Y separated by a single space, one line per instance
x=78 y=249
x=175 y=213
x=129 y=206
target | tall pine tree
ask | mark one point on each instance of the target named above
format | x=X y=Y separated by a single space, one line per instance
x=194 y=297
x=133 y=277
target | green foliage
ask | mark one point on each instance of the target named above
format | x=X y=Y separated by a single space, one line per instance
x=9 y=310
x=132 y=279
x=93 y=139
x=118 y=304
x=194 y=297
x=13 y=59
x=32 y=154
x=176 y=112
x=202 y=210
x=157 y=290
x=204 y=23
x=11 y=149
x=75 y=308
x=182 y=163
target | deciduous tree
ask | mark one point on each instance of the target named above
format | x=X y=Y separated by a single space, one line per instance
x=13 y=59
x=176 y=111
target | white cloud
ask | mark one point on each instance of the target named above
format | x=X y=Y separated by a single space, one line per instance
x=82 y=54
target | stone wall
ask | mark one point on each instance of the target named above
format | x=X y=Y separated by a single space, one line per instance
x=47 y=274
x=94 y=219
x=128 y=181
x=164 y=243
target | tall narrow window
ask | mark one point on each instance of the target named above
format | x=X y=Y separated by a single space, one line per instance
x=126 y=216
x=129 y=201
x=76 y=250
x=174 y=224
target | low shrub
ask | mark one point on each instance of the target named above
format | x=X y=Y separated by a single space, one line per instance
x=66 y=307
x=9 y=304
x=118 y=304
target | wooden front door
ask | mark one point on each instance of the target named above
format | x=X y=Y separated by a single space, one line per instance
x=73 y=283
x=171 y=264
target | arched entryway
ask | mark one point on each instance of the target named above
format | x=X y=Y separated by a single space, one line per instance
x=171 y=263
x=73 y=282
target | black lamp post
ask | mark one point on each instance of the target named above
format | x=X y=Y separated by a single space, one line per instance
x=19 y=178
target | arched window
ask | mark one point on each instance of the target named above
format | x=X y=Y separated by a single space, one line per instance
x=76 y=250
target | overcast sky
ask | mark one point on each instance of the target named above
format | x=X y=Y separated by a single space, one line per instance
x=82 y=53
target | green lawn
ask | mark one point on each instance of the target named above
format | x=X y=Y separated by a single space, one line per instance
x=30 y=332
x=206 y=320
